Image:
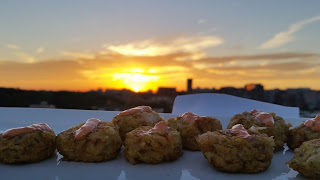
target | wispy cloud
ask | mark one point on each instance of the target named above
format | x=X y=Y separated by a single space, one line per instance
x=201 y=21
x=40 y=50
x=157 y=47
x=25 y=57
x=253 y=57
x=287 y=36
x=12 y=46
x=78 y=55
x=22 y=55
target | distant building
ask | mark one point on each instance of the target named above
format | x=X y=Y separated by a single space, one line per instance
x=189 y=86
x=252 y=87
x=165 y=91
x=312 y=99
x=254 y=91
x=270 y=95
x=43 y=104
x=205 y=90
x=231 y=91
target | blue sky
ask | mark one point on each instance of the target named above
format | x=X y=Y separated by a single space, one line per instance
x=39 y=31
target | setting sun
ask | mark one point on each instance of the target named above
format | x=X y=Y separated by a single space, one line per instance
x=135 y=79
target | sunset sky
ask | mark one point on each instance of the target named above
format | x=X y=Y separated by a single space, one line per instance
x=81 y=45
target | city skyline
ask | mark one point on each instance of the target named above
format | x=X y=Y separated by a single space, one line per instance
x=142 y=45
x=306 y=99
x=188 y=89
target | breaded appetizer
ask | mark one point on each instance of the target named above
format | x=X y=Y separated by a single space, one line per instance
x=268 y=123
x=306 y=159
x=133 y=118
x=237 y=150
x=27 y=144
x=91 y=141
x=304 y=132
x=153 y=145
x=190 y=126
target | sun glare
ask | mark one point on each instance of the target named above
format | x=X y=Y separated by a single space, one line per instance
x=135 y=79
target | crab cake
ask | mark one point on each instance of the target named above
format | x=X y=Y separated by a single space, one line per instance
x=236 y=150
x=133 y=118
x=152 y=145
x=27 y=144
x=190 y=126
x=268 y=123
x=306 y=159
x=304 y=132
x=91 y=141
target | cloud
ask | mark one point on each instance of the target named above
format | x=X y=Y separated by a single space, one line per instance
x=254 y=57
x=275 y=67
x=24 y=57
x=40 y=50
x=12 y=46
x=156 y=47
x=201 y=21
x=287 y=36
x=78 y=55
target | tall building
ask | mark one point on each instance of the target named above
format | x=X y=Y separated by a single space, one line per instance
x=254 y=91
x=189 y=86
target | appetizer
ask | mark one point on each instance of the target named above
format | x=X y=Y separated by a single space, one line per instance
x=190 y=126
x=133 y=118
x=91 y=141
x=304 y=132
x=27 y=144
x=153 y=145
x=237 y=150
x=306 y=159
x=268 y=123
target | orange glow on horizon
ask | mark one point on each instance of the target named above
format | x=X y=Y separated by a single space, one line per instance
x=135 y=79
x=141 y=74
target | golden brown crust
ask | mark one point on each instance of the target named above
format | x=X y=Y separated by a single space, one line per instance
x=228 y=152
x=279 y=130
x=300 y=134
x=190 y=131
x=306 y=159
x=27 y=148
x=102 y=144
x=131 y=122
x=153 y=147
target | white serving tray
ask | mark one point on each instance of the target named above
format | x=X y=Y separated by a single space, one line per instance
x=192 y=165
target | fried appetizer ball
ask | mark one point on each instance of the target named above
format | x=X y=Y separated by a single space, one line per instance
x=268 y=123
x=153 y=145
x=306 y=159
x=91 y=141
x=133 y=118
x=190 y=126
x=304 y=132
x=27 y=144
x=235 y=150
